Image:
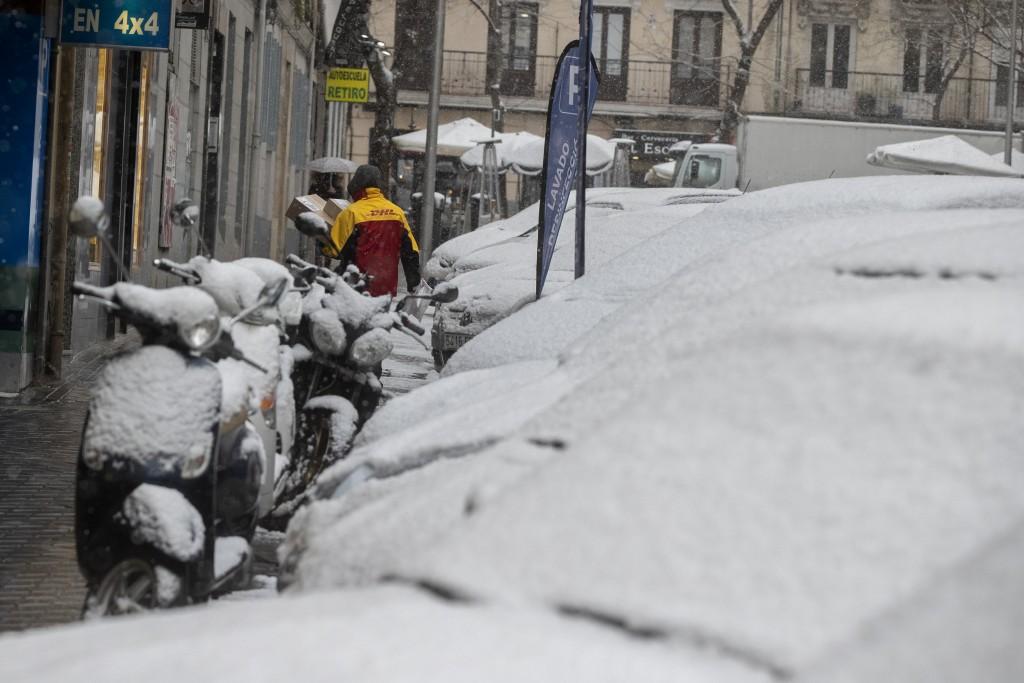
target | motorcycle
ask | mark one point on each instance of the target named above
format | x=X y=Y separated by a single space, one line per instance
x=338 y=349
x=168 y=473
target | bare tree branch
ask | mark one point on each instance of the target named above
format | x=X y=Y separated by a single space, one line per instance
x=737 y=22
x=490 y=22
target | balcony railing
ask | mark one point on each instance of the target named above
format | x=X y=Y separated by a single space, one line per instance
x=901 y=97
x=636 y=82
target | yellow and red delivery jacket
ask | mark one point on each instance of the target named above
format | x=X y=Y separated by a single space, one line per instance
x=373 y=234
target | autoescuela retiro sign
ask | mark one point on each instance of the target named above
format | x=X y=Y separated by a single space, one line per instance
x=134 y=24
x=348 y=85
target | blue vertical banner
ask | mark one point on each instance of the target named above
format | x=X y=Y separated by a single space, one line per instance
x=562 y=150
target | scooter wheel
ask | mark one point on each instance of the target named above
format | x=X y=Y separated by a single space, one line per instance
x=131 y=587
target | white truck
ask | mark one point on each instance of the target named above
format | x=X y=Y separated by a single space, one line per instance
x=775 y=150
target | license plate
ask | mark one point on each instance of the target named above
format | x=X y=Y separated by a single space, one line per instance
x=451 y=341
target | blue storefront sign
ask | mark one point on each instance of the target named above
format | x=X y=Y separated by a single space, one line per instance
x=24 y=54
x=135 y=24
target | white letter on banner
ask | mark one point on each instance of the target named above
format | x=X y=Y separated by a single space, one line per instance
x=574 y=85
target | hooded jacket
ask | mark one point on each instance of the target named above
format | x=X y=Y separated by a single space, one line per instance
x=373 y=234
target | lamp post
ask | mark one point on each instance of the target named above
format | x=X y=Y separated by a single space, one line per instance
x=1011 y=99
x=427 y=233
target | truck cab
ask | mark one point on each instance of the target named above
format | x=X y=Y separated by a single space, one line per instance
x=708 y=165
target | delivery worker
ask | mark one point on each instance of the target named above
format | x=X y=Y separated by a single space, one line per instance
x=373 y=234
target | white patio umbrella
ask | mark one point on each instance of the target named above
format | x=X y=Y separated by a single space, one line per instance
x=453 y=139
x=509 y=143
x=529 y=158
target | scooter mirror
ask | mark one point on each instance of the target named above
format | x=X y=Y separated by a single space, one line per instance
x=311 y=225
x=272 y=292
x=444 y=293
x=88 y=217
x=185 y=213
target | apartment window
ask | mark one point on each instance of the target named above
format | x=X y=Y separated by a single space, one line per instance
x=922 y=47
x=696 y=53
x=518 y=21
x=414 y=42
x=1002 y=92
x=610 y=45
x=830 y=55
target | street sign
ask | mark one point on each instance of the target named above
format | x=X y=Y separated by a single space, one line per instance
x=348 y=85
x=133 y=24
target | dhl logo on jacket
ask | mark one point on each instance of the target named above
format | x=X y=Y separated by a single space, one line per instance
x=374 y=234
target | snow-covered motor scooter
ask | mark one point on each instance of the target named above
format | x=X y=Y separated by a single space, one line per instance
x=235 y=285
x=338 y=348
x=168 y=481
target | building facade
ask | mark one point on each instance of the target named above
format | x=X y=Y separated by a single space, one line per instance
x=142 y=130
x=668 y=66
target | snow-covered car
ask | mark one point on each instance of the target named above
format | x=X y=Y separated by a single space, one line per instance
x=805 y=430
x=495 y=270
x=781 y=443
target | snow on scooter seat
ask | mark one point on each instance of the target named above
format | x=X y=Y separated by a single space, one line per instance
x=154 y=407
x=233 y=287
x=182 y=307
x=164 y=519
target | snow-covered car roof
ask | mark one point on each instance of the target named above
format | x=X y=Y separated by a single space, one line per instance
x=442 y=261
x=717 y=230
x=497 y=281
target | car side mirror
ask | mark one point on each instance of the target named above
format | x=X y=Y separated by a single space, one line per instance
x=444 y=293
x=312 y=225
x=272 y=292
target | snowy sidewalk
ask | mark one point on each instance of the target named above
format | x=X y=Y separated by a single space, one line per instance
x=39 y=435
x=409 y=365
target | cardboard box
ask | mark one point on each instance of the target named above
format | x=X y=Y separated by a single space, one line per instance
x=333 y=208
x=309 y=202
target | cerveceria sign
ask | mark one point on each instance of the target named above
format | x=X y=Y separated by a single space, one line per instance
x=348 y=85
x=654 y=144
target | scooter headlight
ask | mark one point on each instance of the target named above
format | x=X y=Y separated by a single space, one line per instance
x=195 y=463
x=201 y=335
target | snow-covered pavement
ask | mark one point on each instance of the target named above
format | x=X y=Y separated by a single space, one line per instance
x=409 y=365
